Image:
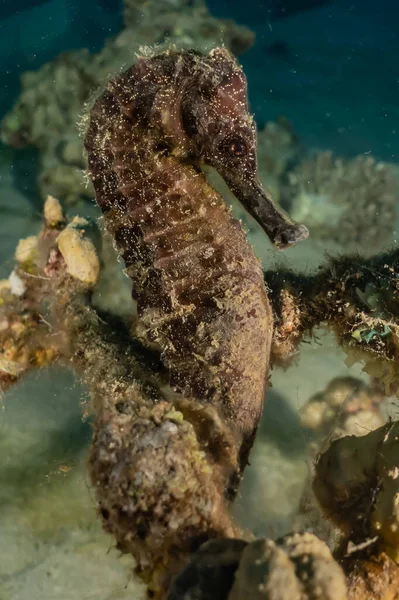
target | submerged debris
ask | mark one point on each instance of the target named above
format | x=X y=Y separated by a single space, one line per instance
x=352 y=202
x=79 y=252
x=347 y=406
x=357 y=485
x=278 y=151
x=358 y=299
x=295 y=567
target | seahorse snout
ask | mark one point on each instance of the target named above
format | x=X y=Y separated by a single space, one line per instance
x=280 y=229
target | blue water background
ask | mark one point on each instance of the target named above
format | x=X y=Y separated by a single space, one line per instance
x=333 y=71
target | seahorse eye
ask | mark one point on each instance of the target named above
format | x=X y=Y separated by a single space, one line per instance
x=238 y=147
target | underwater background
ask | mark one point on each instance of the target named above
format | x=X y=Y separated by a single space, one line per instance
x=323 y=83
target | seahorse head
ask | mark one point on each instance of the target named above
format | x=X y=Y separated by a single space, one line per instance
x=195 y=106
x=216 y=117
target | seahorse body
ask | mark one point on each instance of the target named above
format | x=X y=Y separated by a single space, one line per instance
x=199 y=288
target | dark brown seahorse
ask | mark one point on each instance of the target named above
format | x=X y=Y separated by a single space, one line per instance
x=199 y=288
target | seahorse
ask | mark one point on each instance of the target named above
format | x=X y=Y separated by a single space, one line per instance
x=199 y=288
